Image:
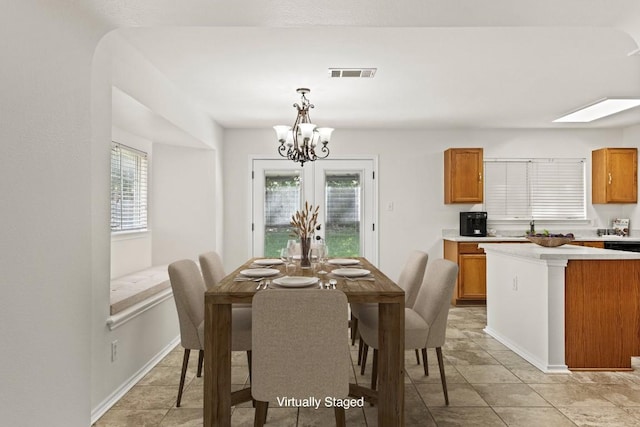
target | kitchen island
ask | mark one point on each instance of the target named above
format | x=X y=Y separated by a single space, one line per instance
x=564 y=308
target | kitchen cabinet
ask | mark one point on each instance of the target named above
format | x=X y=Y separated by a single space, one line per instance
x=614 y=175
x=471 y=284
x=463 y=174
x=594 y=244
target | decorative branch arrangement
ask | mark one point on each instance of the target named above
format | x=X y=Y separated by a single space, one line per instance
x=305 y=223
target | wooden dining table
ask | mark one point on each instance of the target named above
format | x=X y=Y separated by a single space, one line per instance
x=389 y=396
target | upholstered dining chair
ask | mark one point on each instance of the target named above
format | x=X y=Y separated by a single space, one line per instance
x=410 y=280
x=300 y=348
x=213 y=272
x=425 y=323
x=212 y=268
x=188 y=292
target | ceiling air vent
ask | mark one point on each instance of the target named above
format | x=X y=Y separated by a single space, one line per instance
x=352 y=72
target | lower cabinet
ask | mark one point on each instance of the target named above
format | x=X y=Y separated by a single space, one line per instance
x=471 y=286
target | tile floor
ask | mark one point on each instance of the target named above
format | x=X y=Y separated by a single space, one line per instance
x=488 y=386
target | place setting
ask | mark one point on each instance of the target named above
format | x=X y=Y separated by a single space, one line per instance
x=351 y=273
x=256 y=274
x=267 y=262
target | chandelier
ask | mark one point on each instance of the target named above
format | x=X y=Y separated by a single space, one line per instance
x=300 y=143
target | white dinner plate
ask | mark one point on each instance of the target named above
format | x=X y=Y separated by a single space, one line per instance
x=351 y=272
x=295 y=281
x=343 y=261
x=268 y=261
x=260 y=272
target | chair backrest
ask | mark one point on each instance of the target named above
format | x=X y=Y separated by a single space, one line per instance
x=212 y=268
x=434 y=299
x=300 y=345
x=188 y=293
x=411 y=276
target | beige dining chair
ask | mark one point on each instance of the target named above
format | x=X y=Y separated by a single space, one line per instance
x=425 y=323
x=188 y=293
x=410 y=279
x=212 y=268
x=213 y=272
x=300 y=348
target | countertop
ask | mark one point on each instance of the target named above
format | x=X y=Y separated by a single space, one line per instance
x=568 y=252
x=608 y=238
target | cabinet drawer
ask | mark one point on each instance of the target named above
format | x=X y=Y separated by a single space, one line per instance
x=469 y=248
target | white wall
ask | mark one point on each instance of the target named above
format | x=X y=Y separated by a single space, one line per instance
x=45 y=243
x=410 y=175
x=631 y=138
x=184 y=203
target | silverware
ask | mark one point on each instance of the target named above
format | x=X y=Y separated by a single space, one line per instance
x=333 y=282
x=266 y=284
x=259 y=284
x=320 y=285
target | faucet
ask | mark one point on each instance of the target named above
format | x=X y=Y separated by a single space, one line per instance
x=532 y=227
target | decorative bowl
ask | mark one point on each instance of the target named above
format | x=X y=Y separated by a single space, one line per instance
x=550 y=242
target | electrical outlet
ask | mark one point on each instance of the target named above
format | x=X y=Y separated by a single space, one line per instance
x=515 y=283
x=114 y=350
x=390 y=206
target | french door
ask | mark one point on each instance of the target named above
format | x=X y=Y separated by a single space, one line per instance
x=345 y=190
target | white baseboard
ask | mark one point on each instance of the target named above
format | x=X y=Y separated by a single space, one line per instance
x=106 y=404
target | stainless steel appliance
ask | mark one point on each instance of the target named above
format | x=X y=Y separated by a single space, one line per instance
x=473 y=224
x=618 y=245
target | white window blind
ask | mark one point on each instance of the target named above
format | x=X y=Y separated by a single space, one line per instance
x=128 y=188
x=535 y=188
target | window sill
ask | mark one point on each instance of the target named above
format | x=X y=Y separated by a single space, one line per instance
x=124 y=316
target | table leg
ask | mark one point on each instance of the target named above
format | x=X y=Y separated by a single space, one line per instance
x=217 y=365
x=391 y=364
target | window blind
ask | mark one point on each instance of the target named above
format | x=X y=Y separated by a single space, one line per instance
x=535 y=188
x=128 y=188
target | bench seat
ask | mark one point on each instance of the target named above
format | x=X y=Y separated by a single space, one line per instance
x=131 y=289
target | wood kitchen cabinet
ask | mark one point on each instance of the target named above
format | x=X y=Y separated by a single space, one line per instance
x=463 y=174
x=614 y=175
x=471 y=286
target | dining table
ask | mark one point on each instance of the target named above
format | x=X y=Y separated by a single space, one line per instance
x=376 y=287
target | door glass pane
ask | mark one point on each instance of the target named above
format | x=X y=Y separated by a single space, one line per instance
x=343 y=216
x=281 y=200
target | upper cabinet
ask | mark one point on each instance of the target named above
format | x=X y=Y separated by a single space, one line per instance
x=463 y=175
x=614 y=175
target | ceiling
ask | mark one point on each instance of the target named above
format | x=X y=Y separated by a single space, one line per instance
x=491 y=64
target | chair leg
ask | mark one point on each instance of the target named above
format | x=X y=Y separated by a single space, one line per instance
x=249 y=365
x=340 y=417
x=360 y=345
x=200 y=361
x=417 y=357
x=442 y=377
x=261 y=413
x=354 y=329
x=374 y=370
x=185 y=363
x=363 y=362
x=424 y=361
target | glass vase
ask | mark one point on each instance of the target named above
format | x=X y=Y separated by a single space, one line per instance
x=305 y=247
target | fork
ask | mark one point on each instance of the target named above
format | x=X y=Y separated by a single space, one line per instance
x=259 y=284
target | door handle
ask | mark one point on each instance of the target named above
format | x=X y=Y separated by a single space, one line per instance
x=480 y=177
x=609 y=178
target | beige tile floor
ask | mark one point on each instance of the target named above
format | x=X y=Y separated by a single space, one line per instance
x=488 y=386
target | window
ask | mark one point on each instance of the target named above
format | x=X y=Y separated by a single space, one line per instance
x=128 y=189
x=535 y=188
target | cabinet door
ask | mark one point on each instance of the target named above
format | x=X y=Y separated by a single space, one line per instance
x=614 y=175
x=472 y=275
x=622 y=175
x=463 y=175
